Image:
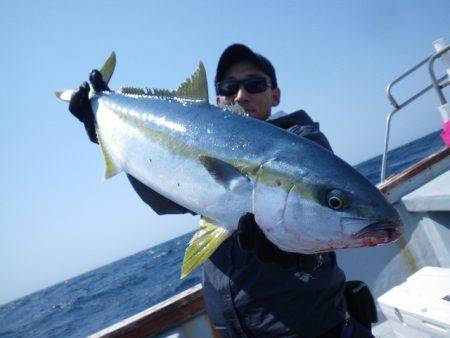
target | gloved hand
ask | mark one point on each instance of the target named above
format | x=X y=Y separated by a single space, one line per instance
x=251 y=238
x=360 y=303
x=80 y=105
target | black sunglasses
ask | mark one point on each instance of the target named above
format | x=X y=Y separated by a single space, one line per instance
x=252 y=85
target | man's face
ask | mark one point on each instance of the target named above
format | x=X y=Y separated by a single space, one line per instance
x=258 y=105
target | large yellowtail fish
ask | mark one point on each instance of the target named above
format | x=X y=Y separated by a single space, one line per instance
x=222 y=164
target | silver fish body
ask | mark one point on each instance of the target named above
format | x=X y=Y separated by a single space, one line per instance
x=283 y=179
x=223 y=165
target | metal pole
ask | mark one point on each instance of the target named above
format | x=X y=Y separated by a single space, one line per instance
x=386 y=145
x=397 y=106
x=401 y=77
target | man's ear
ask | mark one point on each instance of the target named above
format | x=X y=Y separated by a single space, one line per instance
x=276 y=96
x=218 y=102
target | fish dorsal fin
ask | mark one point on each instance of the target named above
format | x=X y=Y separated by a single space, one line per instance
x=202 y=245
x=194 y=88
x=235 y=109
x=133 y=91
x=224 y=173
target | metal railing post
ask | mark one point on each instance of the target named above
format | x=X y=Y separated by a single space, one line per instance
x=386 y=145
x=435 y=84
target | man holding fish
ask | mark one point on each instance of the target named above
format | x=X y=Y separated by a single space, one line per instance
x=252 y=288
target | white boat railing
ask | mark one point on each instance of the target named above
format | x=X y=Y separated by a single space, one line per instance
x=436 y=84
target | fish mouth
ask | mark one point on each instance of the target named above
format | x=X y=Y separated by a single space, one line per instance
x=387 y=230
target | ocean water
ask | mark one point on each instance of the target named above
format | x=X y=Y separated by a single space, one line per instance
x=90 y=302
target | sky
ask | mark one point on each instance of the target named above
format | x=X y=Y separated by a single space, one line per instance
x=333 y=59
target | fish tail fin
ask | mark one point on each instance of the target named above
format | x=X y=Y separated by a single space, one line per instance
x=112 y=168
x=202 y=245
x=64 y=95
x=107 y=71
x=108 y=67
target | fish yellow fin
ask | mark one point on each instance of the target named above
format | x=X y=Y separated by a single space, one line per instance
x=108 y=67
x=107 y=71
x=193 y=88
x=204 y=242
x=111 y=168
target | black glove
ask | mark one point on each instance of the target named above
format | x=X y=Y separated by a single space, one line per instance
x=251 y=238
x=80 y=105
x=360 y=303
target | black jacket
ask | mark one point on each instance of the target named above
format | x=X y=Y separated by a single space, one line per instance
x=247 y=298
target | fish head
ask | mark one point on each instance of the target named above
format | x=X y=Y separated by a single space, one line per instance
x=338 y=209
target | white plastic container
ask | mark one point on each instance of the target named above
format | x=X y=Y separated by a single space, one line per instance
x=420 y=307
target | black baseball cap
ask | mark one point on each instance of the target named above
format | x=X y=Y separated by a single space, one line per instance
x=239 y=52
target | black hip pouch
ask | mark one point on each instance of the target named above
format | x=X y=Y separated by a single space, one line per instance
x=360 y=303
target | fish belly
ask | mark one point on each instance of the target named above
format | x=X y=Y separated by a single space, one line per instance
x=161 y=159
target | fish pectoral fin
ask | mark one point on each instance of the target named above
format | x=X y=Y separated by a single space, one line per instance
x=202 y=245
x=224 y=173
x=112 y=168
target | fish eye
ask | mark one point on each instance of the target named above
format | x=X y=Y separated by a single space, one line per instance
x=336 y=199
